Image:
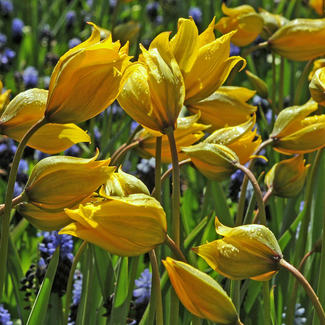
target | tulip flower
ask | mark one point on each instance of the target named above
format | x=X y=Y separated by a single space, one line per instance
x=226 y=106
x=272 y=23
x=204 y=62
x=153 y=89
x=258 y=84
x=201 y=294
x=4 y=98
x=187 y=133
x=245 y=20
x=294 y=133
x=320 y=63
x=299 y=39
x=318 y=6
x=287 y=178
x=317 y=86
x=61 y=182
x=248 y=251
x=25 y=110
x=124 y=226
x=123 y=184
x=216 y=156
x=86 y=80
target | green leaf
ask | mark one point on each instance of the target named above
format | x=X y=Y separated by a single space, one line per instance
x=39 y=310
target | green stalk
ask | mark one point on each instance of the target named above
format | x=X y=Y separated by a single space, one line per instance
x=302 y=80
x=121 y=152
x=196 y=320
x=266 y=299
x=18 y=199
x=309 y=290
x=235 y=294
x=157 y=193
x=175 y=249
x=273 y=98
x=155 y=291
x=70 y=282
x=281 y=77
x=8 y=200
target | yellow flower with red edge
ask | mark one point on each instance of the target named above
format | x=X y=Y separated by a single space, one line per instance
x=245 y=20
x=124 y=226
x=86 y=80
x=296 y=133
x=248 y=251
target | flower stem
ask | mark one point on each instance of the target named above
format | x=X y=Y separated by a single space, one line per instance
x=254 y=48
x=266 y=197
x=258 y=193
x=8 y=199
x=157 y=192
x=18 y=199
x=175 y=249
x=266 y=299
x=121 y=152
x=309 y=290
x=156 y=292
x=302 y=80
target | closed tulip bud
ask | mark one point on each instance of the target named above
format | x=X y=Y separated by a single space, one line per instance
x=86 y=80
x=153 y=89
x=187 y=133
x=299 y=39
x=4 y=98
x=287 y=178
x=295 y=133
x=245 y=20
x=201 y=294
x=271 y=23
x=123 y=184
x=317 y=87
x=320 y=63
x=204 y=62
x=248 y=251
x=226 y=106
x=127 y=32
x=61 y=182
x=25 y=110
x=124 y=226
x=258 y=84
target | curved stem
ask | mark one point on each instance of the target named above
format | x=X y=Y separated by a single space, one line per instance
x=18 y=199
x=254 y=48
x=175 y=249
x=70 y=282
x=309 y=290
x=258 y=193
x=9 y=194
x=266 y=197
x=122 y=152
x=156 y=292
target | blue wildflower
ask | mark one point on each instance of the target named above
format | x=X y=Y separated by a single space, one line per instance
x=77 y=289
x=17 y=26
x=234 y=50
x=196 y=14
x=6 y=8
x=30 y=77
x=146 y=165
x=73 y=151
x=3 y=41
x=70 y=19
x=5 y=316
x=143 y=291
x=46 y=82
x=39 y=155
x=18 y=189
x=74 y=42
x=152 y=11
x=299 y=312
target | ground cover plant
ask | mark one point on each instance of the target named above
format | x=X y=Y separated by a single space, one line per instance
x=162 y=162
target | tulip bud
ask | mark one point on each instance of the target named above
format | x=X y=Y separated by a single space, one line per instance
x=271 y=23
x=123 y=184
x=86 y=80
x=127 y=32
x=25 y=110
x=320 y=63
x=61 y=182
x=258 y=84
x=124 y=226
x=226 y=106
x=299 y=39
x=287 y=178
x=317 y=87
x=248 y=251
x=318 y=6
x=201 y=294
x=245 y=20
x=294 y=133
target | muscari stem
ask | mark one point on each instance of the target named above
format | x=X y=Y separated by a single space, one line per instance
x=8 y=199
x=309 y=290
x=156 y=288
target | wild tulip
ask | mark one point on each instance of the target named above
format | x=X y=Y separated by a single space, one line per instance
x=272 y=23
x=317 y=86
x=248 y=251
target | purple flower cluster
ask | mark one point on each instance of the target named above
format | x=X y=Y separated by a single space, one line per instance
x=143 y=288
x=5 y=316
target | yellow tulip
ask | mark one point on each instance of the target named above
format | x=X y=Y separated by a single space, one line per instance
x=317 y=5
x=317 y=87
x=86 y=80
x=201 y=294
x=287 y=178
x=272 y=23
x=25 y=110
x=320 y=63
x=153 y=89
x=248 y=251
x=226 y=106
x=60 y=182
x=204 y=62
x=245 y=20
x=124 y=226
x=261 y=87
x=123 y=184
x=294 y=133
x=4 y=98
x=187 y=133
x=299 y=39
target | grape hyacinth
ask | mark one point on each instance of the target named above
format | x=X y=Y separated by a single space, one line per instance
x=5 y=316
x=77 y=288
x=30 y=77
x=17 y=26
x=196 y=14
